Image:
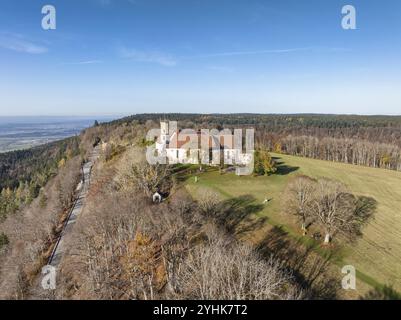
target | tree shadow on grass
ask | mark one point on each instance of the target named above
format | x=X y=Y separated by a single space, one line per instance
x=384 y=293
x=308 y=268
x=365 y=210
x=182 y=173
x=282 y=168
x=238 y=215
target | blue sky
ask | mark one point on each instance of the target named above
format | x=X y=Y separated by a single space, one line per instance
x=203 y=56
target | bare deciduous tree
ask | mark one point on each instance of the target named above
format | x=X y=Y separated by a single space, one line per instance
x=298 y=198
x=146 y=177
x=330 y=204
x=31 y=230
x=335 y=208
x=208 y=202
x=222 y=269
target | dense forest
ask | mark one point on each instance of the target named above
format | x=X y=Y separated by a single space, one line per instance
x=25 y=165
x=373 y=141
x=23 y=173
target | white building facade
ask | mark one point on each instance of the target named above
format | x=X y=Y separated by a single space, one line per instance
x=188 y=146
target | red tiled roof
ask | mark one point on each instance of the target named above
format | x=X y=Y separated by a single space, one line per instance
x=200 y=139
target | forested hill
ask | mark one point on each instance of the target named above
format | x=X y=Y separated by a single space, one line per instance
x=289 y=120
x=383 y=129
x=373 y=141
x=24 y=173
x=26 y=165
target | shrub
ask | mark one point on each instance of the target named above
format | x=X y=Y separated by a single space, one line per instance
x=3 y=240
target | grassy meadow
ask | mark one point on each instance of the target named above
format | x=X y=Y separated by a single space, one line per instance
x=376 y=256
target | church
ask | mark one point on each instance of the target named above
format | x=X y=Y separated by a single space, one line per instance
x=193 y=147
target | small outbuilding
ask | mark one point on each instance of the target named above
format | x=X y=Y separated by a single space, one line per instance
x=157 y=198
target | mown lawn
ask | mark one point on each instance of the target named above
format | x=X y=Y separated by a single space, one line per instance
x=376 y=256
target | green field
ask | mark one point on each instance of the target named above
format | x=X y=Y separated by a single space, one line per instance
x=377 y=255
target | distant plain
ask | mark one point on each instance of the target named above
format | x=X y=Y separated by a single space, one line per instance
x=18 y=133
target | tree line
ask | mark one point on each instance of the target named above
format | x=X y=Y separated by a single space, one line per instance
x=347 y=150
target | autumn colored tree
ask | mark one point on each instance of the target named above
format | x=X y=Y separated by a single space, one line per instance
x=264 y=164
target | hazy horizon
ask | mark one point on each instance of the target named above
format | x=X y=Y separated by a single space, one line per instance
x=119 y=116
x=23 y=132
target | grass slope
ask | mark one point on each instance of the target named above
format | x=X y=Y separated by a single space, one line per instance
x=377 y=256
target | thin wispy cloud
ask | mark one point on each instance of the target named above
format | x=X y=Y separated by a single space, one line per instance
x=248 y=53
x=157 y=57
x=267 y=51
x=170 y=61
x=18 y=43
x=85 y=62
